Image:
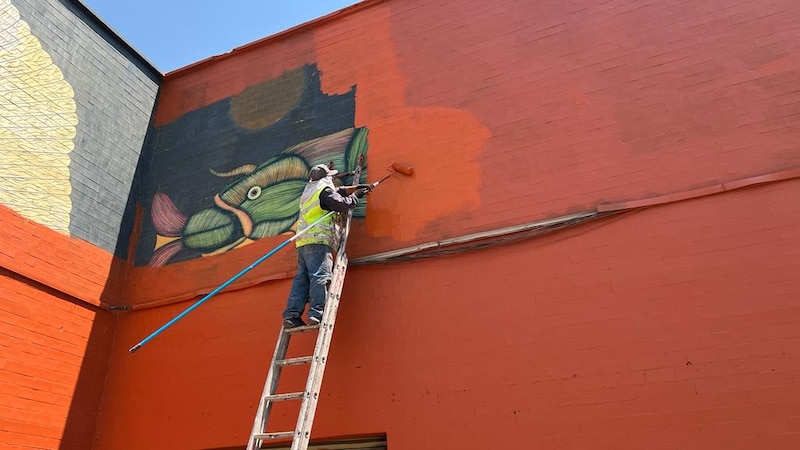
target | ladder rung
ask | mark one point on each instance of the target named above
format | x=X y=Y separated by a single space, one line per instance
x=294 y=361
x=302 y=329
x=278 y=435
x=282 y=397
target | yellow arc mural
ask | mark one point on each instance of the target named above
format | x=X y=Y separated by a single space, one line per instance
x=37 y=126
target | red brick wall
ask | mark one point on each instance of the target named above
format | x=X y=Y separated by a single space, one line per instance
x=668 y=327
x=54 y=342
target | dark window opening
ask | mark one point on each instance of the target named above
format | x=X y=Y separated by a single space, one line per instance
x=367 y=443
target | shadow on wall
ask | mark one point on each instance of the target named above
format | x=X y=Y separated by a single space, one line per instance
x=80 y=421
x=80 y=426
x=38 y=122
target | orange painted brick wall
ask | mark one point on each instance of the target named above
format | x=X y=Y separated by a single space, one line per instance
x=670 y=327
x=673 y=327
x=69 y=265
x=512 y=111
x=54 y=341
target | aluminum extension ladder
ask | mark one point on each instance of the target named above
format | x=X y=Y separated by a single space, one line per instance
x=309 y=397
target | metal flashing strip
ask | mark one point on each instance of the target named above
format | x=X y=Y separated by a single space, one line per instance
x=468 y=238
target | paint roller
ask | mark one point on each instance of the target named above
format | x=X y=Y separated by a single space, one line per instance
x=393 y=169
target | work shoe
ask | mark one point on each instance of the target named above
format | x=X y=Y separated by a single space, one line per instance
x=293 y=322
x=314 y=320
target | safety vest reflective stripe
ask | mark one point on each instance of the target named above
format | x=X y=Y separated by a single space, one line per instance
x=311 y=210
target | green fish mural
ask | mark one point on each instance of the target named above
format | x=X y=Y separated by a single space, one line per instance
x=261 y=201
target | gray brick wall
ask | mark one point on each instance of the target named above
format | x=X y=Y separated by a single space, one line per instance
x=115 y=90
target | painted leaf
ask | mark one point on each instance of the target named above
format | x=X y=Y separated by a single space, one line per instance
x=325 y=149
x=211 y=229
x=358 y=147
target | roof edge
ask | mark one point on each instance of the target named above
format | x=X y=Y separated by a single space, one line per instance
x=117 y=37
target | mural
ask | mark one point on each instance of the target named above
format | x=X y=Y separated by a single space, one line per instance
x=232 y=172
x=37 y=125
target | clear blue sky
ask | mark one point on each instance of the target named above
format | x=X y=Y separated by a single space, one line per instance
x=172 y=34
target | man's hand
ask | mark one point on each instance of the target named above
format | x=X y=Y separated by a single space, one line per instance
x=357 y=189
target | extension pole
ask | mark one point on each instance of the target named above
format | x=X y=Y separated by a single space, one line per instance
x=226 y=284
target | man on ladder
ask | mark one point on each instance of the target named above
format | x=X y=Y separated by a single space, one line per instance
x=316 y=279
x=315 y=248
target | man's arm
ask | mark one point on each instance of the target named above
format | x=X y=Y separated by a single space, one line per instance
x=331 y=200
x=358 y=189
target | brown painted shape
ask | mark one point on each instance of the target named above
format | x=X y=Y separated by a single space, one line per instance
x=264 y=104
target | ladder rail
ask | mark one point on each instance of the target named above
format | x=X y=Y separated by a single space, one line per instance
x=270 y=386
x=308 y=406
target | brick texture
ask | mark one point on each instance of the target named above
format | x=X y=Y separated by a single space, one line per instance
x=114 y=94
x=52 y=363
x=672 y=327
x=538 y=110
x=589 y=103
x=669 y=327
x=69 y=265
x=53 y=337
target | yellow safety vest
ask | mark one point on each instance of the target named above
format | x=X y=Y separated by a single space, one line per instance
x=325 y=232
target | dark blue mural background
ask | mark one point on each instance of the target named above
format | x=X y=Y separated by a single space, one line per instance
x=178 y=155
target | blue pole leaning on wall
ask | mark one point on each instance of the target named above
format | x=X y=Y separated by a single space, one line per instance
x=226 y=284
